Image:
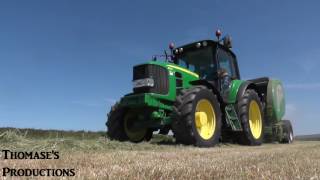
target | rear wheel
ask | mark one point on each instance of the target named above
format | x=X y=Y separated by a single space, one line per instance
x=121 y=126
x=197 y=117
x=251 y=117
x=287 y=132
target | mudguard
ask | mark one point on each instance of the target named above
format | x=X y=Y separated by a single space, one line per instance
x=271 y=93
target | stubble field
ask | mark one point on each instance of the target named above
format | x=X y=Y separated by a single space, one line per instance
x=95 y=157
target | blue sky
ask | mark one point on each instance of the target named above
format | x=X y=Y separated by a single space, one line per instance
x=63 y=63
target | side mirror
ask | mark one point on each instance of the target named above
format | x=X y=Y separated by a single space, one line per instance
x=227 y=41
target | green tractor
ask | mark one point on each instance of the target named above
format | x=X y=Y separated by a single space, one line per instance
x=197 y=92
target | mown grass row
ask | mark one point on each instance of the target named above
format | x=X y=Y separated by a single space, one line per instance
x=32 y=140
x=44 y=134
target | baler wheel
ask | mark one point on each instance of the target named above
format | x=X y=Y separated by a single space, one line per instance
x=287 y=132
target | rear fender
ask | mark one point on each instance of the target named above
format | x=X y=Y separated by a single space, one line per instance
x=260 y=85
x=243 y=87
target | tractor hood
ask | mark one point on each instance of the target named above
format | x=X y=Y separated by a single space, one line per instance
x=161 y=78
x=172 y=68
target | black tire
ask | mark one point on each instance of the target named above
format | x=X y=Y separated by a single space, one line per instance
x=287 y=132
x=116 y=127
x=183 y=117
x=243 y=105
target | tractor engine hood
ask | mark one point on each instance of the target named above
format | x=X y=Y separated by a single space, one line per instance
x=160 y=77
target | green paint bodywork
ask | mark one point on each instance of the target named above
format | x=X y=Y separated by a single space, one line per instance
x=161 y=103
x=235 y=85
x=275 y=101
x=275 y=110
x=231 y=114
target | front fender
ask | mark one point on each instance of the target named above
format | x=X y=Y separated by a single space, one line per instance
x=210 y=86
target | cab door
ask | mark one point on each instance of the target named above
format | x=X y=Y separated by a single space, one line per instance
x=228 y=64
x=227 y=61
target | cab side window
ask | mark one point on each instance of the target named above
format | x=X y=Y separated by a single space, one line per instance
x=183 y=64
x=226 y=61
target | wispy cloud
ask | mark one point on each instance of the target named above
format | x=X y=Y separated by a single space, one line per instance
x=303 y=119
x=291 y=109
x=88 y=103
x=308 y=61
x=95 y=103
x=111 y=100
x=303 y=86
x=292 y=114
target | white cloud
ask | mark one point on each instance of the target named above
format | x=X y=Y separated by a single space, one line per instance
x=291 y=108
x=88 y=103
x=95 y=103
x=304 y=86
x=111 y=100
x=303 y=120
x=293 y=115
x=308 y=61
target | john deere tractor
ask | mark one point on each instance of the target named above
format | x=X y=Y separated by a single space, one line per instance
x=196 y=91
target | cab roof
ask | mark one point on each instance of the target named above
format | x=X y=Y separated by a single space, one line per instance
x=192 y=46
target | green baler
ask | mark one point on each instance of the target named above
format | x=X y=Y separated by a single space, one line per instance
x=197 y=93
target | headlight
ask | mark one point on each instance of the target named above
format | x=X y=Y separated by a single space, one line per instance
x=147 y=82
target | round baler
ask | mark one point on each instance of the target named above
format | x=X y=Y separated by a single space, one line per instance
x=279 y=129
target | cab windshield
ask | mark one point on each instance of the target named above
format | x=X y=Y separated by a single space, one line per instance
x=199 y=61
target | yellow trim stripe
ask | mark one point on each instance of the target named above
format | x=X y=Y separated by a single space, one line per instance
x=184 y=70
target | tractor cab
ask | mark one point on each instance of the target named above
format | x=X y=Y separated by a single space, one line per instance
x=208 y=59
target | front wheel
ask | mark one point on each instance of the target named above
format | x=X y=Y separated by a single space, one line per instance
x=121 y=126
x=197 y=117
x=134 y=133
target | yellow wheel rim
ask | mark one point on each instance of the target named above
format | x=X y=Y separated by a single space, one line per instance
x=205 y=119
x=255 y=120
x=133 y=134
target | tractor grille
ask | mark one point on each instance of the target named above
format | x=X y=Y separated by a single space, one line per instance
x=157 y=73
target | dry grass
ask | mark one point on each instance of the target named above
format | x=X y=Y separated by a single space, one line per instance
x=103 y=159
